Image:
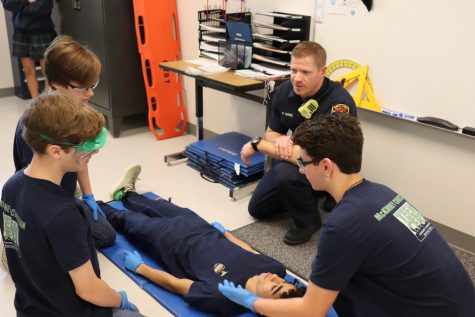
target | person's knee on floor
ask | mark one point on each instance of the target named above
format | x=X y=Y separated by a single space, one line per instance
x=103 y=233
x=306 y=215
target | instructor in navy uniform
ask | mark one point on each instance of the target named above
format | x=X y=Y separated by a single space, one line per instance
x=283 y=189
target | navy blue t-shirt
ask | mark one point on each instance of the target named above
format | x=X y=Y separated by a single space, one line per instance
x=46 y=235
x=190 y=248
x=22 y=156
x=388 y=260
x=331 y=97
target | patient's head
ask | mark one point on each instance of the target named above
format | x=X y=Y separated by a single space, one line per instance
x=270 y=285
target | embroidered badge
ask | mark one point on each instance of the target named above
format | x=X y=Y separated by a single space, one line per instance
x=340 y=108
x=220 y=269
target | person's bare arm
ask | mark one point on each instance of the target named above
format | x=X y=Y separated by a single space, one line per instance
x=92 y=289
x=269 y=149
x=166 y=280
x=84 y=182
x=231 y=237
x=316 y=302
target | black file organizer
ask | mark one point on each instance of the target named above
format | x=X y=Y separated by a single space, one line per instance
x=297 y=30
x=216 y=19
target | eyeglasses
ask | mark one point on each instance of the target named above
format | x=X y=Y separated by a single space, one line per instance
x=84 y=90
x=301 y=163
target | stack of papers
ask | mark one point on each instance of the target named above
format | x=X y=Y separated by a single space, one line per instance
x=254 y=74
x=267 y=37
x=209 y=47
x=279 y=15
x=260 y=24
x=214 y=37
x=269 y=48
x=271 y=60
x=213 y=69
x=220 y=29
x=272 y=70
x=210 y=55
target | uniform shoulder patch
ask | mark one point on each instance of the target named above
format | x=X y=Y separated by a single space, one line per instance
x=340 y=108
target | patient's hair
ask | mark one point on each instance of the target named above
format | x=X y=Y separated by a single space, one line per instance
x=299 y=291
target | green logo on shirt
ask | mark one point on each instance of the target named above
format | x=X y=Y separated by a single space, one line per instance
x=11 y=224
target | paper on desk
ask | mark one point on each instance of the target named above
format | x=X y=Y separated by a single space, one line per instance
x=254 y=74
x=271 y=70
x=213 y=69
x=202 y=61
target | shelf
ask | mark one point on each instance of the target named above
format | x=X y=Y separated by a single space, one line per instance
x=419 y=123
x=286 y=31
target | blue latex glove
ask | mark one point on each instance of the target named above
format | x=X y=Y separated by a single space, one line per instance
x=91 y=202
x=132 y=260
x=238 y=294
x=125 y=304
x=219 y=226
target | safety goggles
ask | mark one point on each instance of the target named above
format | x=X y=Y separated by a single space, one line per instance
x=87 y=146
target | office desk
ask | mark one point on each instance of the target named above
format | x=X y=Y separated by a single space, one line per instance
x=226 y=82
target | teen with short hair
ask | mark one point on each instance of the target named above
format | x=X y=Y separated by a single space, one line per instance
x=72 y=69
x=48 y=240
x=377 y=255
x=197 y=255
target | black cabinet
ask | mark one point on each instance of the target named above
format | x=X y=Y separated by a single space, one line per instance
x=107 y=28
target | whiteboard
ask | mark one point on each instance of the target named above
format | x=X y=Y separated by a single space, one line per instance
x=421 y=54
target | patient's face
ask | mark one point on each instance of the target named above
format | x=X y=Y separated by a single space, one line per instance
x=272 y=286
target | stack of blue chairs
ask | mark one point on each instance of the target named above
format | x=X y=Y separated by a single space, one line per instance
x=218 y=158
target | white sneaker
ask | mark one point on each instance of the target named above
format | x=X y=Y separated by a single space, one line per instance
x=127 y=183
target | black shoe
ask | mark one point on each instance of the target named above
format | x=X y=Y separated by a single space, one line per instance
x=297 y=236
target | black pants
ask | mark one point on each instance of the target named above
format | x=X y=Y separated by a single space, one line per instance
x=284 y=189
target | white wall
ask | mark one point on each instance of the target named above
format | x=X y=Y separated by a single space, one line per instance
x=420 y=62
x=433 y=169
x=6 y=76
x=222 y=112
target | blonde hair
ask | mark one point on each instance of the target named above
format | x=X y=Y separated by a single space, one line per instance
x=67 y=60
x=54 y=118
